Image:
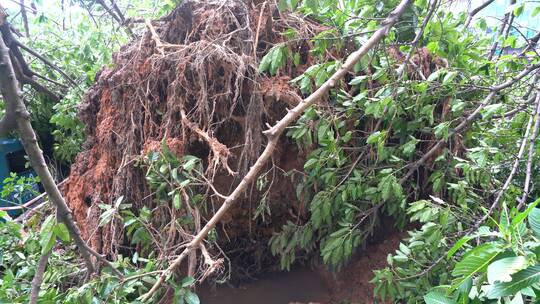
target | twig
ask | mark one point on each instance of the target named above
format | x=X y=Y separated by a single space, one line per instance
x=273 y=135
x=476 y=11
x=25 y=19
x=401 y=69
x=258 y=29
x=38 y=277
x=531 y=152
x=47 y=62
x=514 y=167
x=467 y=121
x=501 y=31
x=32 y=201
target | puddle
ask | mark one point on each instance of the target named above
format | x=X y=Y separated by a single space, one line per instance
x=298 y=285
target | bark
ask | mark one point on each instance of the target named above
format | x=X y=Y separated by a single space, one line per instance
x=38 y=278
x=16 y=109
x=273 y=135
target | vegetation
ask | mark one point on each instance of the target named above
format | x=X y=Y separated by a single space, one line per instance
x=413 y=111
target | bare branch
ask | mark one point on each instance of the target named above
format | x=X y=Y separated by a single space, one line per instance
x=476 y=11
x=514 y=167
x=47 y=62
x=505 y=22
x=531 y=152
x=407 y=60
x=25 y=19
x=38 y=277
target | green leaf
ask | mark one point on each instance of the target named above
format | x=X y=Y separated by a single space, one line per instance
x=47 y=238
x=409 y=147
x=441 y=130
x=534 y=221
x=61 y=231
x=449 y=77
x=458 y=245
x=436 y=297
x=188 y=281
x=535 y=11
x=522 y=215
x=192 y=298
x=476 y=260
x=376 y=137
x=520 y=280
x=358 y=80
x=177 y=200
x=501 y=270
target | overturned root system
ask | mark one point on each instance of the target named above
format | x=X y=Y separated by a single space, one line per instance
x=190 y=81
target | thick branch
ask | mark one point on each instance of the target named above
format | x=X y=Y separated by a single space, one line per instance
x=273 y=136
x=15 y=107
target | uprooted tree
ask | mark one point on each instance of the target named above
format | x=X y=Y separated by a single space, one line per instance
x=185 y=158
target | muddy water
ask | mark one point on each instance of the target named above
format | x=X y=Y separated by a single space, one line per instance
x=298 y=285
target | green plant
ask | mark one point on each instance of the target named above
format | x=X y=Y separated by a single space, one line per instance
x=502 y=266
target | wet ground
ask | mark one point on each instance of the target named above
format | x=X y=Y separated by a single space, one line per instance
x=298 y=285
x=303 y=285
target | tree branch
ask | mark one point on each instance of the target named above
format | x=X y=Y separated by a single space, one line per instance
x=38 y=277
x=476 y=11
x=46 y=61
x=273 y=135
x=431 y=10
x=16 y=108
x=467 y=121
x=531 y=152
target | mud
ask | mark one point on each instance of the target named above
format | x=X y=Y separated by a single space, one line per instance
x=311 y=284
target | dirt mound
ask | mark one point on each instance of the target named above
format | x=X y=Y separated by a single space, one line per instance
x=191 y=80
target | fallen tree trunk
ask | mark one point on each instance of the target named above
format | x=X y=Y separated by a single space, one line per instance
x=273 y=135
